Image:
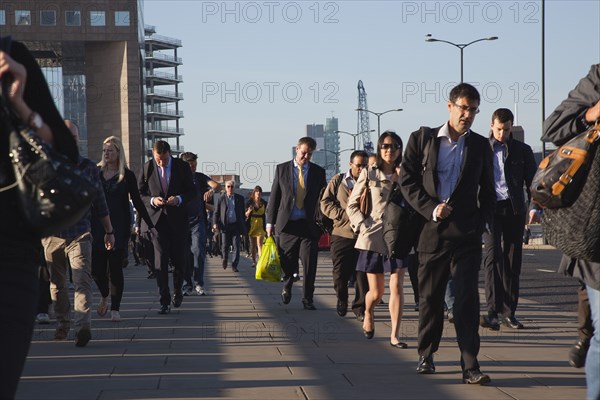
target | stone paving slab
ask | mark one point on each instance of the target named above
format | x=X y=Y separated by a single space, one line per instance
x=241 y=342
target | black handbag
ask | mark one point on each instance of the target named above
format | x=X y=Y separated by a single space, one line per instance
x=52 y=193
x=402 y=225
x=562 y=174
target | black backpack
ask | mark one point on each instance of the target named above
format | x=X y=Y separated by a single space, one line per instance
x=324 y=222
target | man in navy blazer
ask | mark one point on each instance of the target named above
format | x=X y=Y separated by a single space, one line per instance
x=228 y=219
x=447 y=176
x=290 y=216
x=165 y=185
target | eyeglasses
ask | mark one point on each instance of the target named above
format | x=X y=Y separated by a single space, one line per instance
x=393 y=146
x=360 y=165
x=467 y=109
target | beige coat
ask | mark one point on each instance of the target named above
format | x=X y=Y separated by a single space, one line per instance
x=370 y=228
x=334 y=204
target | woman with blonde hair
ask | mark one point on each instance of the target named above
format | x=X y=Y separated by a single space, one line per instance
x=255 y=217
x=373 y=259
x=119 y=184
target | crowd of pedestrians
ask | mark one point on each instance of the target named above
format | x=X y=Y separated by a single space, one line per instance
x=468 y=188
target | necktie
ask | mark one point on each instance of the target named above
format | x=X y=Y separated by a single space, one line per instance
x=164 y=183
x=300 y=189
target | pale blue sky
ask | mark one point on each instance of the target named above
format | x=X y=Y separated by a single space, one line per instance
x=256 y=73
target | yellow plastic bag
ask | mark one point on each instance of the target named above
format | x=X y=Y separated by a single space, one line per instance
x=268 y=267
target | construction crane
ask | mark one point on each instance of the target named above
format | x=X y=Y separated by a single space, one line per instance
x=363 y=121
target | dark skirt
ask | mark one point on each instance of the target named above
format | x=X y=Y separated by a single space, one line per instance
x=375 y=263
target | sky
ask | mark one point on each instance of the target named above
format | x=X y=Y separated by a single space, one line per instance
x=255 y=73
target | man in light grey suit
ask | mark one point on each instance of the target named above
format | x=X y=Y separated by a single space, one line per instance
x=290 y=215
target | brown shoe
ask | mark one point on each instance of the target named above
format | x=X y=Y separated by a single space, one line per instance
x=61 y=333
x=224 y=264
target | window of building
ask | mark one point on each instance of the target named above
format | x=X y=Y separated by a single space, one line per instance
x=73 y=18
x=47 y=17
x=22 y=17
x=97 y=18
x=121 y=18
x=2 y=17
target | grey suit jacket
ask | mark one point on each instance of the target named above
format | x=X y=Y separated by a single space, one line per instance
x=282 y=197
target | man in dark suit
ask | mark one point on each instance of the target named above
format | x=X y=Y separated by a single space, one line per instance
x=291 y=216
x=228 y=219
x=447 y=176
x=514 y=168
x=166 y=185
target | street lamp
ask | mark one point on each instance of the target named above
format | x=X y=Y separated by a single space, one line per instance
x=378 y=116
x=355 y=135
x=460 y=46
x=337 y=156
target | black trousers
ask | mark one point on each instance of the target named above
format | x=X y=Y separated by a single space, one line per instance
x=344 y=256
x=296 y=243
x=19 y=292
x=107 y=271
x=502 y=261
x=461 y=260
x=585 y=328
x=173 y=245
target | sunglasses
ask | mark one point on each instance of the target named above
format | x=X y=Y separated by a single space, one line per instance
x=393 y=146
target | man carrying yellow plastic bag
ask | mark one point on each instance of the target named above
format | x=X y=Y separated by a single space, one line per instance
x=268 y=267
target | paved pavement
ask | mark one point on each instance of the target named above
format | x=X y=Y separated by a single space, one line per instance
x=241 y=342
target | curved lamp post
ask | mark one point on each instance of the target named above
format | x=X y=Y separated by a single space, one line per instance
x=337 y=156
x=355 y=135
x=378 y=114
x=460 y=46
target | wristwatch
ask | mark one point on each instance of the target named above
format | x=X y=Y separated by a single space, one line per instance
x=35 y=121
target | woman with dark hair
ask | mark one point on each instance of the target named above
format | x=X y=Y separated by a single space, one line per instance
x=255 y=217
x=28 y=95
x=373 y=259
x=119 y=184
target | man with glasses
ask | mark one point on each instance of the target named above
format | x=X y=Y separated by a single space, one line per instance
x=291 y=216
x=343 y=254
x=229 y=220
x=448 y=177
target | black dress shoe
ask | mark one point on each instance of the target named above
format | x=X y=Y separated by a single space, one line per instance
x=286 y=296
x=475 y=377
x=177 y=299
x=426 y=365
x=578 y=353
x=309 y=306
x=224 y=264
x=235 y=269
x=342 y=308
x=296 y=277
x=399 y=345
x=512 y=322
x=164 y=310
x=489 y=321
x=369 y=334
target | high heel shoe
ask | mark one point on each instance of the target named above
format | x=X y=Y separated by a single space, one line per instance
x=371 y=333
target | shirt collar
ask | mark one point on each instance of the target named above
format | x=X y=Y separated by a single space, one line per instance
x=444 y=132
